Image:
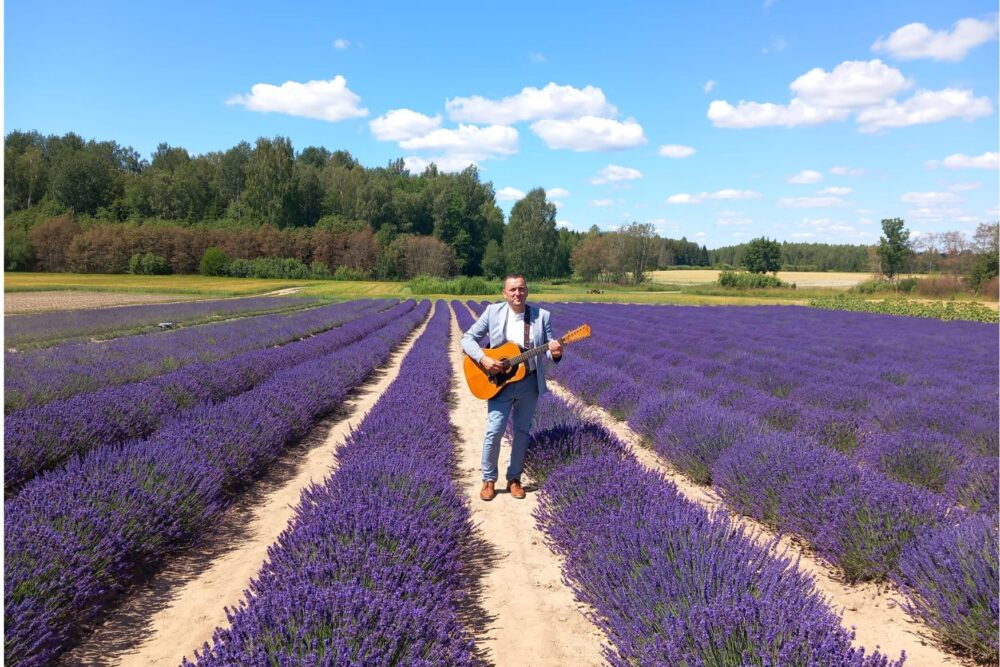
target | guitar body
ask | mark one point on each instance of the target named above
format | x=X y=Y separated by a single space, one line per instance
x=486 y=386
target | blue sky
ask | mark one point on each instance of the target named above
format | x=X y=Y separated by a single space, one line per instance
x=802 y=121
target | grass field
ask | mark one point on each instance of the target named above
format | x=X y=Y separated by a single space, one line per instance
x=837 y=279
x=694 y=287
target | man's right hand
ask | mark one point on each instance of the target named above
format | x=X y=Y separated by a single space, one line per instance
x=490 y=364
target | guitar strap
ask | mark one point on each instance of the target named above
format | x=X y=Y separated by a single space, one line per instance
x=527 y=331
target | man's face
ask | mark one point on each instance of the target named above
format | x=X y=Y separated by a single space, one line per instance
x=515 y=291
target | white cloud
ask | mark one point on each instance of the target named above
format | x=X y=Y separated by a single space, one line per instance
x=403 y=124
x=468 y=140
x=564 y=223
x=556 y=193
x=806 y=176
x=340 y=43
x=602 y=202
x=926 y=106
x=728 y=218
x=613 y=173
x=847 y=171
x=836 y=191
x=444 y=163
x=777 y=45
x=964 y=187
x=552 y=101
x=959 y=161
x=726 y=194
x=510 y=194
x=755 y=114
x=589 y=133
x=930 y=198
x=537 y=57
x=851 y=84
x=916 y=40
x=709 y=85
x=685 y=198
x=809 y=202
x=933 y=213
x=735 y=194
x=864 y=88
x=676 y=150
x=326 y=100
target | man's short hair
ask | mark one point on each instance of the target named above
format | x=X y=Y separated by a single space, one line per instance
x=514 y=276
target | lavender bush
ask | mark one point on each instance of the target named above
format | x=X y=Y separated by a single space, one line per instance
x=670 y=584
x=37 y=377
x=41 y=437
x=370 y=571
x=951 y=580
x=41 y=328
x=78 y=536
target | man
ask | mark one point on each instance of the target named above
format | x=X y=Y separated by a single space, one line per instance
x=506 y=322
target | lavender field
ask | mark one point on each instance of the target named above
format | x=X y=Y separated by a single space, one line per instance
x=870 y=440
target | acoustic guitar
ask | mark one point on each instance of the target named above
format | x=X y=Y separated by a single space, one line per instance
x=486 y=385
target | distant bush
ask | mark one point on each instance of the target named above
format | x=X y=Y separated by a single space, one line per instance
x=744 y=280
x=148 y=264
x=269 y=267
x=459 y=286
x=347 y=273
x=938 y=286
x=991 y=288
x=907 y=285
x=872 y=286
x=213 y=262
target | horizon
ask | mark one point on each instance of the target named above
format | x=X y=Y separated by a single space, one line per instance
x=802 y=124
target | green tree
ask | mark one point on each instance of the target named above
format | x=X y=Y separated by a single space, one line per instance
x=639 y=245
x=987 y=246
x=213 y=262
x=493 y=264
x=270 y=183
x=762 y=255
x=530 y=239
x=894 y=247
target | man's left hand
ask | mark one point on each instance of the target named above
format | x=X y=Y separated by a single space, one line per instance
x=555 y=347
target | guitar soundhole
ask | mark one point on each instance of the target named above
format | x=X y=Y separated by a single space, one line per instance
x=501 y=377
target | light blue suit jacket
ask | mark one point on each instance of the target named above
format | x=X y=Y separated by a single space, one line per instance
x=494 y=321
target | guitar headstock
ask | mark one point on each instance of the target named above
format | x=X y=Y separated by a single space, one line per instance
x=579 y=333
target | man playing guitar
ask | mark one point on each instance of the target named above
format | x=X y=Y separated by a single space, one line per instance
x=512 y=320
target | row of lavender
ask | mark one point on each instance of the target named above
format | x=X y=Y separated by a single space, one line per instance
x=671 y=584
x=38 y=328
x=41 y=437
x=37 y=377
x=78 y=536
x=370 y=572
x=775 y=470
x=945 y=455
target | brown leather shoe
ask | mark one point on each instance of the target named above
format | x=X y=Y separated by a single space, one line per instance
x=515 y=488
x=488 y=491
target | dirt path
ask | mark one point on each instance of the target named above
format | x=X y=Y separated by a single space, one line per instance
x=535 y=620
x=874 y=613
x=183 y=605
x=32 y=302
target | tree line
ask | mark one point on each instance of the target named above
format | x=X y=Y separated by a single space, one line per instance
x=96 y=206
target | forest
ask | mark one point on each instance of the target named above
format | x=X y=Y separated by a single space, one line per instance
x=89 y=206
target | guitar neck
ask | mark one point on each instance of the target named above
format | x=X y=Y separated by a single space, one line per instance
x=530 y=354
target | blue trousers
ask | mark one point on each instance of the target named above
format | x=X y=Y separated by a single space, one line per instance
x=520 y=399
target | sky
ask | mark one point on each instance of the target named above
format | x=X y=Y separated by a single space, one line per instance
x=715 y=121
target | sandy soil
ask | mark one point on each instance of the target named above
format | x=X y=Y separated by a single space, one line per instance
x=30 y=302
x=534 y=617
x=873 y=611
x=179 y=610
